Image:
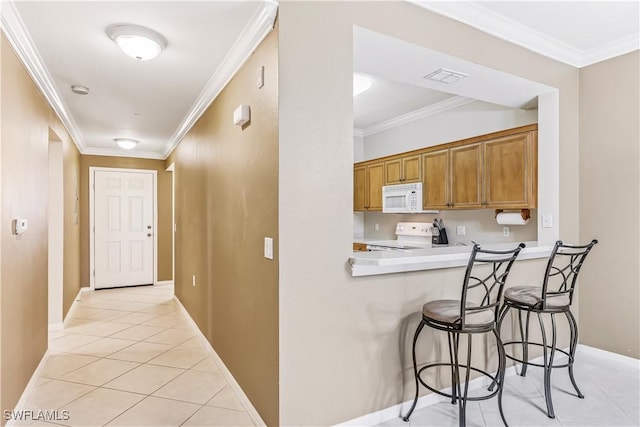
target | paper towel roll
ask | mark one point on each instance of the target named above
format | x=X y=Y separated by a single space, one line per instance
x=511 y=218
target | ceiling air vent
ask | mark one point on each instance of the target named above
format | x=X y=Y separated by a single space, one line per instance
x=444 y=75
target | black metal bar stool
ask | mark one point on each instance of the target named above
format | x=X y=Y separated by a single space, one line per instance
x=553 y=297
x=476 y=312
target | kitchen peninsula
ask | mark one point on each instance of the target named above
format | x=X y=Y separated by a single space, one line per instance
x=384 y=262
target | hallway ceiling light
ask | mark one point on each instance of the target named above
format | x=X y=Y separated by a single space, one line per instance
x=126 y=143
x=360 y=84
x=138 y=42
x=80 y=90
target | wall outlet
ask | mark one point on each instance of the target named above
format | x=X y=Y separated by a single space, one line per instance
x=506 y=231
x=193 y=281
x=376 y=227
x=268 y=247
x=461 y=230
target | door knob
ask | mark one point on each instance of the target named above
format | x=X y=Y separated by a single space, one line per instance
x=148 y=234
x=148 y=227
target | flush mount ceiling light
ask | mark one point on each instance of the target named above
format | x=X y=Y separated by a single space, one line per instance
x=126 y=143
x=80 y=90
x=138 y=42
x=444 y=75
x=360 y=84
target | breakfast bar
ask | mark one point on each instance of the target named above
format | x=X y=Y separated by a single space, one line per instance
x=385 y=262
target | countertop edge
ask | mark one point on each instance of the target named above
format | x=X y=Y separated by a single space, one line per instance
x=417 y=261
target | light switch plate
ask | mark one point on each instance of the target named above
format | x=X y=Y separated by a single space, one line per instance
x=461 y=230
x=20 y=225
x=260 y=77
x=268 y=247
x=547 y=221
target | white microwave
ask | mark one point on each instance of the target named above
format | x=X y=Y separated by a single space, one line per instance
x=403 y=198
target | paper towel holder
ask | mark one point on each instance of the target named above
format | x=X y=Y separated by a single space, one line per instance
x=525 y=213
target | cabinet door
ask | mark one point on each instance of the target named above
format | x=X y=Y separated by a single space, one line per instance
x=411 y=169
x=435 y=168
x=375 y=181
x=393 y=171
x=508 y=171
x=359 y=188
x=359 y=247
x=466 y=176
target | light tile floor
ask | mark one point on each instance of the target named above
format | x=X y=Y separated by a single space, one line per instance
x=129 y=357
x=611 y=389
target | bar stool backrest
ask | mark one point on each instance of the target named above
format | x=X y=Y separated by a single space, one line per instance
x=561 y=274
x=482 y=290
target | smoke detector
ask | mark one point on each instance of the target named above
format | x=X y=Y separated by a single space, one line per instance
x=444 y=75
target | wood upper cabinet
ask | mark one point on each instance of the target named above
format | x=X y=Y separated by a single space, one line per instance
x=359 y=188
x=403 y=170
x=367 y=187
x=497 y=171
x=510 y=171
x=452 y=178
x=465 y=164
x=435 y=180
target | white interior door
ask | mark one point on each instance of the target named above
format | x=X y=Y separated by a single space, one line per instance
x=123 y=228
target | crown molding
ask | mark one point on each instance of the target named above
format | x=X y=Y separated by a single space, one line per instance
x=430 y=110
x=514 y=32
x=259 y=26
x=115 y=152
x=16 y=33
x=358 y=132
x=611 y=50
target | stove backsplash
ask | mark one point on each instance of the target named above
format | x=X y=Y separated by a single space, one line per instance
x=480 y=226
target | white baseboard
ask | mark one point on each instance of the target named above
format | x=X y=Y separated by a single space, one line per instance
x=73 y=305
x=609 y=355
x=244 y=400
x=31 y=385
x=164 y=283
x=56 y=326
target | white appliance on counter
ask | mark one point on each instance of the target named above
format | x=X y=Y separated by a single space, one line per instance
x=410 y=235
x=403 y=198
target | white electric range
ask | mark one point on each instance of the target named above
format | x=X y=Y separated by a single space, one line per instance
x=410 y=235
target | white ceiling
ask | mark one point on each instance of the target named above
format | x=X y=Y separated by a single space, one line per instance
x=63 y=43
x=578 y=33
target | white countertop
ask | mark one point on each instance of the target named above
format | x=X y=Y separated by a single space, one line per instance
x=384 y=262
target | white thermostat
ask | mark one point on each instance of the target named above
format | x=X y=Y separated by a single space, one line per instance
x=19 y=225
x=241 y=115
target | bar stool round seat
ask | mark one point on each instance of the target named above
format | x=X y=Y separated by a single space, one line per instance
x=475 y=313
x=553 y=297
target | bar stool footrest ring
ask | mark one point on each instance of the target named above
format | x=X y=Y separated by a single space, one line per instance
x=515 y=359
x=493 y=378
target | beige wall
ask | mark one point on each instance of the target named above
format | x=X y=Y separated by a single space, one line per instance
x=340 y=336
x=26 y=127
x=165 y=236
x=226 y=203
x=610 y=204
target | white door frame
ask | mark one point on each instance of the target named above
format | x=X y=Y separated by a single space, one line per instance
x=92 y=264
x=172 y=169
x=56 y=233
